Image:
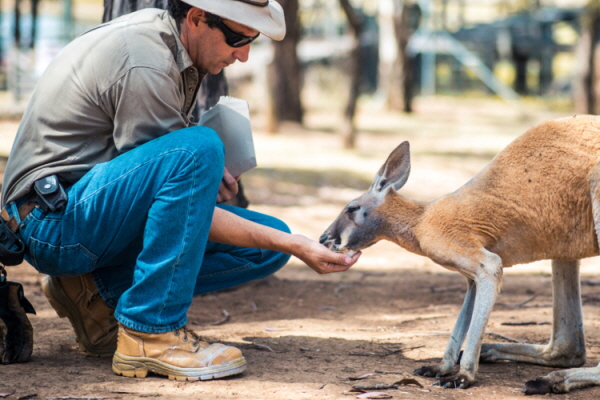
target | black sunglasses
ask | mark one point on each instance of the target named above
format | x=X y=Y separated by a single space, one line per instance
x=232 y=38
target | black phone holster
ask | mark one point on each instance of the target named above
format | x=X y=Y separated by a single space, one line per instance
x=50 y=194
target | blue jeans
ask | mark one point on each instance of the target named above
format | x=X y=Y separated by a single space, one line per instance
x=140 y=223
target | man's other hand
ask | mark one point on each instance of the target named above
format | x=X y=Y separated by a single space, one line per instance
x=229 y=187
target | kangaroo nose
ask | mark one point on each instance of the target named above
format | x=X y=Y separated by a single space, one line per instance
x=323 y=238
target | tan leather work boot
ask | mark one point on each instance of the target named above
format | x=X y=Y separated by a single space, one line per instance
x=180 y=355
x=78 y=299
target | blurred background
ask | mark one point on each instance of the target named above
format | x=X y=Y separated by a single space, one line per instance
x=346 y=52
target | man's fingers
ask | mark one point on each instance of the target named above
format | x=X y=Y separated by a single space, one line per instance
x=355 y=257
x=328 y=268
x=228 y=188
x=228 y=178
x=343 y=259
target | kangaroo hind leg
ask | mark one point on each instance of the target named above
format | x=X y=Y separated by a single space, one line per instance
x=570 y=379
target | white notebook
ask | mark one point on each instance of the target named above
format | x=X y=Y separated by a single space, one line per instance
x=230 y=118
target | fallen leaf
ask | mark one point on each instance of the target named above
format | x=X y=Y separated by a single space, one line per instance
x=268 y=329
x=374 y=386
x=358 y=378
x=374 y=395
x=27 y=396
x=408 y=381
x=222 y=320
x=262 y=347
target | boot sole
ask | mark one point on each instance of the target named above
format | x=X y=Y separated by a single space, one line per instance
x=138 y=367
x=65 y=308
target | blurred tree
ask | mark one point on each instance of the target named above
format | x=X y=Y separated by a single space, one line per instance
x=586 y=86
x=356 y=22
x=2 y=71
x=284 y=74
x=17 y=27
x=401 y=92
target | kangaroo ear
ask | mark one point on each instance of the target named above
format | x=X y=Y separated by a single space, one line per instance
x=394 y=172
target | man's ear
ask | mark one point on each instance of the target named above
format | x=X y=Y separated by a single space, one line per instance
x=194 y=17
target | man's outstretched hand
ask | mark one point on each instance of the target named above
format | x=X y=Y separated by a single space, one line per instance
x=228 y=228
x=320 y=258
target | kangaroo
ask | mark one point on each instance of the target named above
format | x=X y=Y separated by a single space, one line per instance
x=537 y=199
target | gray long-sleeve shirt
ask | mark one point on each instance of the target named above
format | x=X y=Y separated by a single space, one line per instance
x=113 y=88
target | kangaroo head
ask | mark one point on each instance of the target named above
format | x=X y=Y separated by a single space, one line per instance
x=363 y=221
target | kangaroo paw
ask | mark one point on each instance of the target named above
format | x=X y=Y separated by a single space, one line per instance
x=429 y=371
x=455 y=382
x=538 y=386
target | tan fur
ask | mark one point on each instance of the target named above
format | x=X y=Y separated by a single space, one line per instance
x=537 y=199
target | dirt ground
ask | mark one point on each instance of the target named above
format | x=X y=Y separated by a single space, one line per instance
x=307 y=336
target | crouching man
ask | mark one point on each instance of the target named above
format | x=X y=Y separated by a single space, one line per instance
x=115 y=192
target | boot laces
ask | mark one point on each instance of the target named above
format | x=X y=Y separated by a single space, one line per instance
x=93 y=299
x=189 y=332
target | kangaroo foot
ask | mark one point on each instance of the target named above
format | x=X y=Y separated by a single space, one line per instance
x=430 y=371
x=458 y=381
x=538 y=386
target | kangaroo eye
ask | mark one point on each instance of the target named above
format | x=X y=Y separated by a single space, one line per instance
x=351 y=209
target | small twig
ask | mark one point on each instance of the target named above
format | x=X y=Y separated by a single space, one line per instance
x=393 y=352
x=342 y=287
x=590 y=299
x=531 y=306
x=509 y=339
x=521 y=305
x=389 y=373
x=367 y=274
x=358 y=378
x=27 y=396
x=382 y=386
x=408 y=381
x=222 y=320
x=374 y=386
x=524 y=323
x=454 y=288
x=78 y=398
x=590 y=283
x=389 y=352
x=363 y=354
x=262 y=347
x=403 y=349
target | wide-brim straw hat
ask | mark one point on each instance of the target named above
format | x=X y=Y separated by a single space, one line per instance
x=265 y=16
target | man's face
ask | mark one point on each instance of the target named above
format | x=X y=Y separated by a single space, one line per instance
x=207 y=46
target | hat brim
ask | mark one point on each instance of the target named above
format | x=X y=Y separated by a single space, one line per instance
x=268 y=20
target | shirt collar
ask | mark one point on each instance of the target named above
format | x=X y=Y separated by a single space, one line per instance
x=182 y=58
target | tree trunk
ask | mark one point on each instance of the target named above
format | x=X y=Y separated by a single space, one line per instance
x=356 y=25
x=401 y=92
x=586 y=94
x=590 y=77
x=285 y=77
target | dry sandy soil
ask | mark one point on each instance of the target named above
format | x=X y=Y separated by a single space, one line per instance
x=306 y=336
